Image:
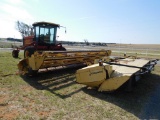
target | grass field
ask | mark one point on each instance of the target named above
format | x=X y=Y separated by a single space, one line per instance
x=56 y=95
x=9 y=44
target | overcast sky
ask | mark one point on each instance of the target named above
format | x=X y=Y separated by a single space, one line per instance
x=110 y=21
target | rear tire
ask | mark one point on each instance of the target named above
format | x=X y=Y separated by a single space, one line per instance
x=63 y=49
x=28 y=51
x=15 y=53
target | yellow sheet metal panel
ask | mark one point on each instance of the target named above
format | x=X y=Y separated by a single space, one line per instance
x=91 y=75
x=113 y=83
x=134 y=62
x=35 y=62
x=123 y=70
x=91 y=66
x=21 y=66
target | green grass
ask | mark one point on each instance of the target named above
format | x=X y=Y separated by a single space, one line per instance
x=56 y=95
x=9 y=44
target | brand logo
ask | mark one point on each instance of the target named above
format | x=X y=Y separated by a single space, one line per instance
x=96 y=72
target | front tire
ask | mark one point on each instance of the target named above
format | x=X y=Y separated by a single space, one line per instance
x=15 y=53
x=28 y=51
x=63 y=49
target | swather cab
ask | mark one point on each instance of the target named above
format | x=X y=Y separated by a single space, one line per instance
x=42 y=38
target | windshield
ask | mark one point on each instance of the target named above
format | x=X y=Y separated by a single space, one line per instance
x=46 y=34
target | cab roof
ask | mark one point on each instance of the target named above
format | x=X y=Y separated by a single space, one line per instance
x=45 y=23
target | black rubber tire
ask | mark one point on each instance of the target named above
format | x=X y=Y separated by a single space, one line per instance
x=15 y=53
x=63 y=49
x=30 y=51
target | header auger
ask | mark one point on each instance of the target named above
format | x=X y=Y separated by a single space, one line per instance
x=47 y=59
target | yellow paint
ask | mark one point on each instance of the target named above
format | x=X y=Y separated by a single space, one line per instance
x=46 y=59
x=109 y=77
x=91 y=76
x=113 y=83
x=95 y=76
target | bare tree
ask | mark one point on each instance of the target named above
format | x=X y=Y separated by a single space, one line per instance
x=24 y=29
